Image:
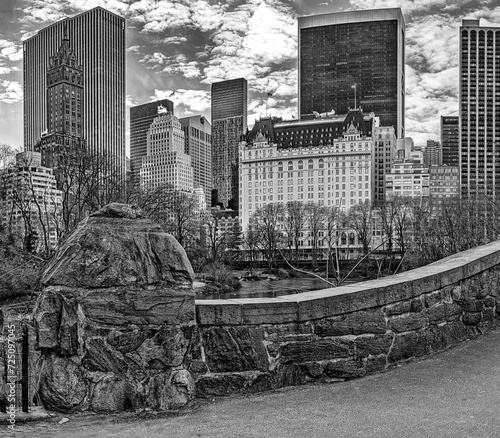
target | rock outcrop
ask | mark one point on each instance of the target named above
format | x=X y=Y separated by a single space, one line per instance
x=115 y=318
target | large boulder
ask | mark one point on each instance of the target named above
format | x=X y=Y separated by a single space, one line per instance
x=116 y=314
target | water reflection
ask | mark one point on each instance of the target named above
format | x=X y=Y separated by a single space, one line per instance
x=271 y=289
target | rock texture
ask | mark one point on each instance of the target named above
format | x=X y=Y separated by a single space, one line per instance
x=115 y=319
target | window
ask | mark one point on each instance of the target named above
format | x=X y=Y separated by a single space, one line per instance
x=310 y=164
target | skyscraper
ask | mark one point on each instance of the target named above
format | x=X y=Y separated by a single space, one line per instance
x=97 y=38
x=353 y=59
x=141 y=117
x=166 y=163
x=479 y=109
x=64 y=106
x=449 y=140
x=229 y=122
x=198 y=145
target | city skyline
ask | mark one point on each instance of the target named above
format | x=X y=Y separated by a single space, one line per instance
x=176 y=49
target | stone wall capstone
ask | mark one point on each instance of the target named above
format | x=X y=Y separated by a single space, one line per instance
x=251 y=345
x=115 y=318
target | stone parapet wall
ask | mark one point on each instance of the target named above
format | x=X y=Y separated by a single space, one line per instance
x=248 y=345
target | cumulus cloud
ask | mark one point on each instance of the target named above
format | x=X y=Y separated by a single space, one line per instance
x=10 y=91
x=254 y=38
x=432 y=42
x=174 y=65
x=174 y=40
x=186 y=101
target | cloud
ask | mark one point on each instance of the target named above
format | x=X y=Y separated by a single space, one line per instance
x=174 y=65
x=253 y=39
x=432 y=42
x=429 y=96
x=174 y=40
x=10 y=91
x=276 y=108
x=186 y=101
x=135 y=49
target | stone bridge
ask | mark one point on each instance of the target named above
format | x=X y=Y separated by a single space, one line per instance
x=117 y=326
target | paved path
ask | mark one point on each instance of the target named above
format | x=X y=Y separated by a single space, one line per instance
x=453 y=394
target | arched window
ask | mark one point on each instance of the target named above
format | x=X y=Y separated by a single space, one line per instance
x=351 y=238
x=310 y=164
x=321 y=163
x=290 y=165
x=343 y=239
x=301 y=164
x=280 y=166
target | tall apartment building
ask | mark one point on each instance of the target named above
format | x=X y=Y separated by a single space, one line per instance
x=30 y=201
x=479 y=100
x=97 y=38
x=198 y=145
x=450 y=132
x=352 y=59
x=165 y=161
x=229 y=123
x=141 y=117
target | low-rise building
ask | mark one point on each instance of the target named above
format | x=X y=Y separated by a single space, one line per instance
x=408 y=179
x=444 y=181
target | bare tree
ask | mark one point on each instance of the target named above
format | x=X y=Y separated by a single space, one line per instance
x=294 y=225
x=333 y=219
x=360 y=220
x=316 y=223
x=267 y=223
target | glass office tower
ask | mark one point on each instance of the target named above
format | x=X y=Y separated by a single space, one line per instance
x=353 y=59
x=229 y=122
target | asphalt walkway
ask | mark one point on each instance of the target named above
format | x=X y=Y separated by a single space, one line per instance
x=452 y=394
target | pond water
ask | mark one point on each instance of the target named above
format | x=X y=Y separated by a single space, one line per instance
x=271 y=289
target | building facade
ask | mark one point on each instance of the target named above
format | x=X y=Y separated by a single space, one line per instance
x=444 y=181
x=141 y=117
x=408 y=179
x=229 y=123
x=30 y=203
x=352 y=59
x=97 y=38
x=198 y=145
x=384 y=155
x=432 y=154
x=479 y=100
x=64 y=107
x=165 y=162
x=338 y=173
x=450 y=131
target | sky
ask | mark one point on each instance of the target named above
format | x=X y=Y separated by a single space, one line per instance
x=177 y=48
